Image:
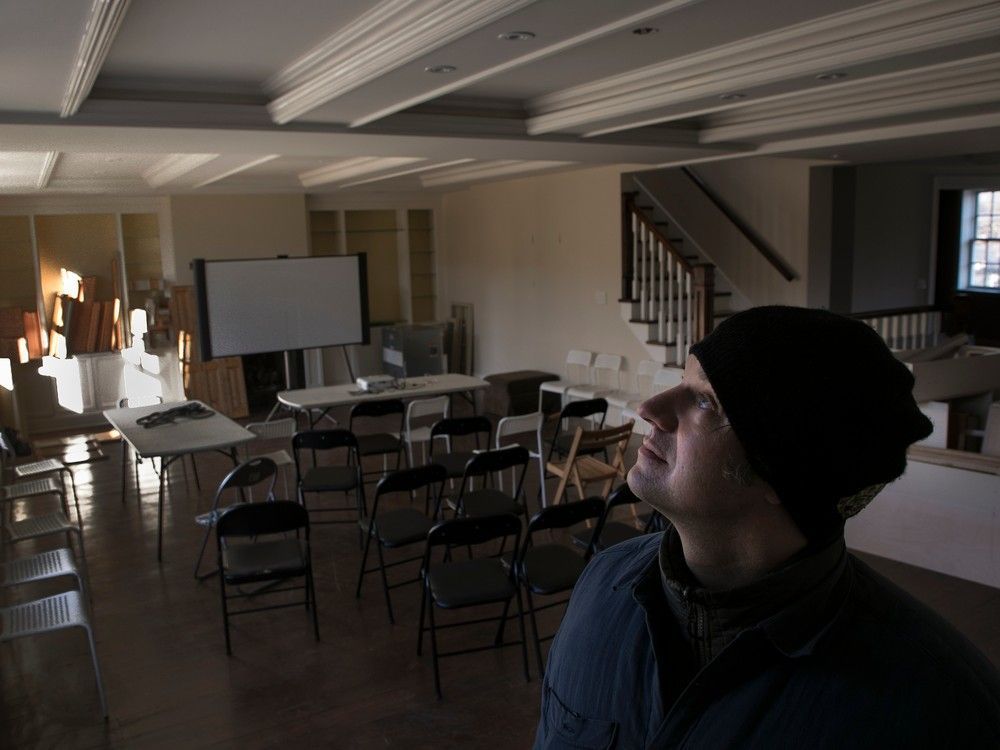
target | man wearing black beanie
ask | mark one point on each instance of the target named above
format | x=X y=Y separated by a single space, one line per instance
x=747 y=623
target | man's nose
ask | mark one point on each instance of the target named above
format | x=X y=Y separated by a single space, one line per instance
x=661 y=410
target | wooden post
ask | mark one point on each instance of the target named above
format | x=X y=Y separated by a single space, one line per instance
x=627 y=270
x=704 y=300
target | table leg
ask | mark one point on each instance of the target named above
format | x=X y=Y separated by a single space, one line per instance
x=159 y=513
x=124 y=469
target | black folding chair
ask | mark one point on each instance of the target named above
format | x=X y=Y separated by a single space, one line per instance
x=608 y=533
x=241 y=478
x=487 y=500
x=400 y=527
x=453 y=460
x=550 y=569
x=469 y=583
x=265 y=560
x=382 y=444
x=594 y=410
x=336 y=478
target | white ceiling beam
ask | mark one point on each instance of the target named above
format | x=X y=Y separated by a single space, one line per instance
x=405 y=172
x=237 y=169
x=872 y=32
x=488 y=170
x=348 y=168
x=387 y=36
x=103 y=23
x=48 y=165
x=174 y=166
x=464 y=81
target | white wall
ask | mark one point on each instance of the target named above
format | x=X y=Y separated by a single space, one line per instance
x=531 y=255
x=236 y=226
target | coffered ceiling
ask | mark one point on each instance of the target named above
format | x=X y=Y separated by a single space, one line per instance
x=147 y=96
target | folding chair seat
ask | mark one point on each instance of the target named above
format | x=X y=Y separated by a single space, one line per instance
x=260 y=557
x=54 y=563
x=551 y=568
x=42 y=525
x=49 y=615
x=469 y=583
x=315 y=479
x=383 y=444
x=414 y=433
x=454 y=461
x=582 y=468
x=607 y=532
x=605 y=378
x=241 y=478
x=524 y=424
x=401 y=527
x=486 y=466
x=278 y=429
x=577 y=373
x=29 y=488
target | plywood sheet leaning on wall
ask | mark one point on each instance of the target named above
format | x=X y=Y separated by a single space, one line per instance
x=218 y=383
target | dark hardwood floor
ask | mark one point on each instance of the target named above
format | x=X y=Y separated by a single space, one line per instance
x=170 y=684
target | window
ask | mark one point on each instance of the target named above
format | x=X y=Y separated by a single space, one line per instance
x=981 y=271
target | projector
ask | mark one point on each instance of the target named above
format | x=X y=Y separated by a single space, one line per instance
x=376 y=383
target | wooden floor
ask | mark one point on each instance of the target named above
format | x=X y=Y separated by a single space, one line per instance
x=170 y=684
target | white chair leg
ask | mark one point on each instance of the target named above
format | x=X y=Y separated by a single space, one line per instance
x=97 y=672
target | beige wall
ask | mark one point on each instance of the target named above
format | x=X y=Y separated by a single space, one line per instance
x=530 y=255
x=236 y=226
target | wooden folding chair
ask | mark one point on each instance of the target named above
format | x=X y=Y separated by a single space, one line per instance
x=582 y=467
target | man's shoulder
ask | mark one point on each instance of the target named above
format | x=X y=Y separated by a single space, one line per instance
x=624 y=561
x=885 y=624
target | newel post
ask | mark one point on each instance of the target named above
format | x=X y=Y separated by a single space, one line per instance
x=703 y=289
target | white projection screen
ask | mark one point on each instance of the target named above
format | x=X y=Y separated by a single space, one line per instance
x=280 y=304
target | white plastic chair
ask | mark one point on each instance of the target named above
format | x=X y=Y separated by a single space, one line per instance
x=276 y=429
x=606 y=378
x=665 y=379
x=620 y=400
x=48 y=615
x=577 y=373
x=521 y=424
x=44 y=566
x=421 y=408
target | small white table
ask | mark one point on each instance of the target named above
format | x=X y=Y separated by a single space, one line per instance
x=168 y=442
x=326 y=397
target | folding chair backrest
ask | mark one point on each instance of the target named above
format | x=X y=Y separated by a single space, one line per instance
x=273 y=430
x=456 y=426
x=321 y=440
x=620 y=495
x=666 y=378
x=407 y=480
x=250 y=473
x=591 y=441
x=578 y=365
x=517 y=425
x=257 y=519
x=426 y=407
x=607 y=370
x=469 y=531
x=566 y=515
x=590 y=407
x=489 y=462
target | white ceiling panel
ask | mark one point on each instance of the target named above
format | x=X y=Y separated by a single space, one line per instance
x=20 y=170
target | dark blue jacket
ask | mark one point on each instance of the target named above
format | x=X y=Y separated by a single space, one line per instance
x=865 y=667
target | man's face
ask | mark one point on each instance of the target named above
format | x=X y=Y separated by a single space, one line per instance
x=682 y=463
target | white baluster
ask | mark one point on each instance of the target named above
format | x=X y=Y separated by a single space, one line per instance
x=671 y=274
x=905 y=323
x=659 y=302
x=642 y=272
x=922 y=335
x=635 y=255
x=690 y=315
x=895 y=332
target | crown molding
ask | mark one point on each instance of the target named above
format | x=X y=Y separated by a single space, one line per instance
x=488 y=170
x=934 y=88
x=872 y=32
x=103 y=23
x=389 y=35
x=348 y=168
x=405 y=172
x=464 y=81
x=174 y=166
x=48 y=165
x=237 y=170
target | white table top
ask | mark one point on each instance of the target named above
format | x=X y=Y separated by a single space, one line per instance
x=349 y=393
x=216 y=432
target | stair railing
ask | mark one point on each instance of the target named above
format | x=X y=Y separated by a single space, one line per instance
x=905 y=327
x=671 y=292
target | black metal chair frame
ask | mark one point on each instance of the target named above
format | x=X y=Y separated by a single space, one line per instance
x=242 y=477
x=404 y=480
x=322 y=440
x=488 y=463
x=257 y=519
x=619 y=496
x=381 y=408
x=467 y=532
x=554 y=517
x=576 y=410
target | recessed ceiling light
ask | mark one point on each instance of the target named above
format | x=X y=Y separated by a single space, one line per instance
x=440 y=68
x=835 y=76
x=735 y=96
x=516 y=36
x=644 y=30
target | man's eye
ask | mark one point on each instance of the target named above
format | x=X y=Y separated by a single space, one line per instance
x=704 y=402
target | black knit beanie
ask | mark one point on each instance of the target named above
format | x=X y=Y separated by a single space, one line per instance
x=822 y=408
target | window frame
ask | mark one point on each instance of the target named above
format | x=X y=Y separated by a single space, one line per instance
x=968 y=237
